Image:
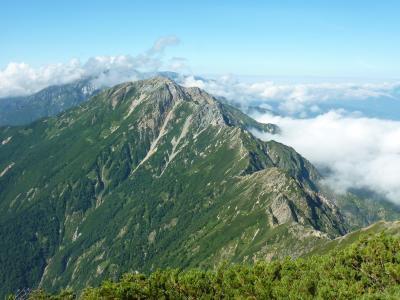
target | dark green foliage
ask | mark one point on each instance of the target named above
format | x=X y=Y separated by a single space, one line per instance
x=26 y=238
x=368 y=269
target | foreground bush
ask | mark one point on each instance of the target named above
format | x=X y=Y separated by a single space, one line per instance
x=368 y=269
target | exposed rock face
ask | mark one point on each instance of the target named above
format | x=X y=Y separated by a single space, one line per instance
x=281 y=211
x=150 y=174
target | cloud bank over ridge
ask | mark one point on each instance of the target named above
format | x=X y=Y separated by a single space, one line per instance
x=359 y=152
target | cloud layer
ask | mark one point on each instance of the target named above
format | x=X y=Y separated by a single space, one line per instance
x=294 y=99
x=359 y=152
x=22 y=79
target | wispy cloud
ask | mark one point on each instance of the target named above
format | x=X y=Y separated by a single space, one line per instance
x=162 y=43
x=359 y=152
x=23 y=79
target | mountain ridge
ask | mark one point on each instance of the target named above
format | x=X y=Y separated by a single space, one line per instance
x=54 y=99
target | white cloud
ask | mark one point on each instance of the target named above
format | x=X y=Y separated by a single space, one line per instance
x=293 y=98
x=23 y=79
x=360 y=152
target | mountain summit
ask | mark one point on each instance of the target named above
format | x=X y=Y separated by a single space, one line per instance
x=147 y=175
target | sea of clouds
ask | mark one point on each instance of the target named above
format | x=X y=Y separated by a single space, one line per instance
x=359 y=150
x=299 y=99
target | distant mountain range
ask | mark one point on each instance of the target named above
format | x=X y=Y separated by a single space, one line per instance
x=47 y=102
x=150 y=174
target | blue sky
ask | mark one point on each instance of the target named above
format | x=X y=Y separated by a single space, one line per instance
x=358 y=39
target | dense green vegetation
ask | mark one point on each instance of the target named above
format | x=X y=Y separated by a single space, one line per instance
x=367 y=269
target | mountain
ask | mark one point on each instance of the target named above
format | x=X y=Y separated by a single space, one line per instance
x=47 y=102
x=150 y=175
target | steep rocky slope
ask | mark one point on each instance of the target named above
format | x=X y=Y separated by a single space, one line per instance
x=148 y=175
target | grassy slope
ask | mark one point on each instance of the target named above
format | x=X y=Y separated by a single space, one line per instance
x=390 y=228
